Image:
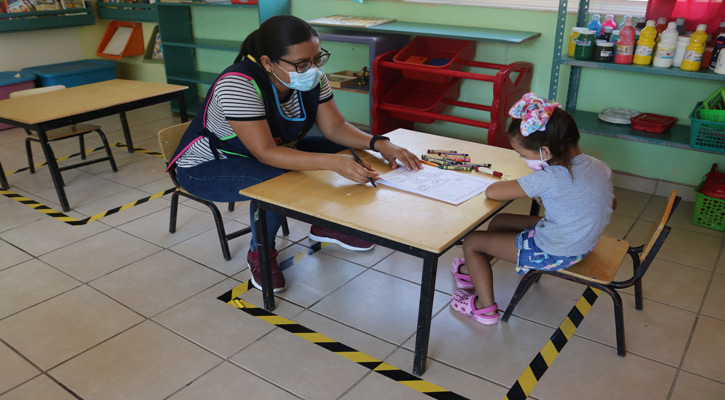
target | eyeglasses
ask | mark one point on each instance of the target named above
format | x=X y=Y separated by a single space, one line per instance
x=319 y=61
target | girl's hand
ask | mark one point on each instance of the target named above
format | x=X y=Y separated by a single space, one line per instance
x=347 y=166
x=391 y=152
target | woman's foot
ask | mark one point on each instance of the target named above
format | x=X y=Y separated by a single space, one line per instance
x=465 y=304
x=278 y=282
x=463 y=280
x=324 y=235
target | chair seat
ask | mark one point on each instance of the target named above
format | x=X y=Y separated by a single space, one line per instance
x=602 y=264
x=67 y=131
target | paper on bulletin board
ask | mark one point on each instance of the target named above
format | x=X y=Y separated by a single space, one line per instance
x=440 y=184
x=118 y=42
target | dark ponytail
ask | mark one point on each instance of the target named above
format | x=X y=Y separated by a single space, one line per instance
x=560 y=136
x=274 y=36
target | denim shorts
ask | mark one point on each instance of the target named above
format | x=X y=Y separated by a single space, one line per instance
x=530 y=256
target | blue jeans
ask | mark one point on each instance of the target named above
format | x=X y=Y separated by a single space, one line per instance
x=221 y=180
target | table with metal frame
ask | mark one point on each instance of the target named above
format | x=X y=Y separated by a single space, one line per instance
x=385 y=216
x=51 y=110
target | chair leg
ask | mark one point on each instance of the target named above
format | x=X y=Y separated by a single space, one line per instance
x=3 y=180
x=521 y=289
x=108 y=150
x=220 y=229
x=618 y=319
x=29 y=153
x=174 y=210
x=285 y=227
x=82 y=145
x=231 y=207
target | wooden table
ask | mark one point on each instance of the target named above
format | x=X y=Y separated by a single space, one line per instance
x=45 y=111
x=385 y=216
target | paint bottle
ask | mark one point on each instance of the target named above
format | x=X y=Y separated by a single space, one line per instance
x=608 y=23
x=720 y=65
x=595 y=25
x=720 y=29
x=572 y=40
x=692 y=59
x=613 y=39
x=665 y=53
x=681 y=26
x=584 y=49
x=682 y=43
x=661 y=25
x=645 y=44
x=719 y=44
x=625 y=44
x=603 y=51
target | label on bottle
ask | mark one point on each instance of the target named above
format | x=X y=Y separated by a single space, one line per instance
x=584 y=42
x=643 y=51
x=605 y=53
x=625 y=50
x=692 y=55
x=665 y=53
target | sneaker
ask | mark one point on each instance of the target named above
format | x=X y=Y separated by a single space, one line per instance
x=325 y=235
x=278 y=282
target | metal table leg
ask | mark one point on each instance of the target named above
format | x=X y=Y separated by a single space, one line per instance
x=425 y=312
x=260 y=227
x=182 y=107
x=3 y=180
x=53 y=168
x=126 y=132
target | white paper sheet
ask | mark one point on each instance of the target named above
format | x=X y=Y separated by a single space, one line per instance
x=444 y=185
x=118 y=41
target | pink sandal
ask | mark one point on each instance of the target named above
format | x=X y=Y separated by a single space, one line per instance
x=464 y=304
x=463 y=281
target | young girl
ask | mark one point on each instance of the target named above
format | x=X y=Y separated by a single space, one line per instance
x=574 y=188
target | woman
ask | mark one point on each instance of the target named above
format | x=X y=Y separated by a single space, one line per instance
x=254 y=123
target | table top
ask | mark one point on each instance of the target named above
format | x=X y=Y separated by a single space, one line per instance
x=76 y=100
x=403 y=217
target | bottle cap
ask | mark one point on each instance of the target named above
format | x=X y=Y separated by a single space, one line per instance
x=681 y=21
x=587 y=32
x=610 y=17
x=628 y=22
x=577 y=29
x=651 y=22
x=661 y=20
x=597 y=17
x=604 y=43
x=703 y=27
x=672 y=25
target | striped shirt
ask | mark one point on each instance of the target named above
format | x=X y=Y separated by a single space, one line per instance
x=236 y=99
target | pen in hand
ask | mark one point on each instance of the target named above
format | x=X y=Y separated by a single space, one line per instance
x=359 y=161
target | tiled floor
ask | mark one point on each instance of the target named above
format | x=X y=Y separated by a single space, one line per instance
x=121 y=309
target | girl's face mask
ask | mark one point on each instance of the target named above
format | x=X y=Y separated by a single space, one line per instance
x=304 y=81
x=537 y=165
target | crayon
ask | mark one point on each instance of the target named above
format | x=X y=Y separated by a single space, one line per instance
x=447 y=153
x=429 y=163
x=489 y=171
x=455 y=168
x=472 y=165
x=430 y=151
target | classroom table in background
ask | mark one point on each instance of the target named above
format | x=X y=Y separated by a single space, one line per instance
x=45 y=111
x=385 y=216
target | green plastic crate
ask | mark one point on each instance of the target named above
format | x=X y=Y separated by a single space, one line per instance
x=713 y=109
x=705 y=134
x=709 y=211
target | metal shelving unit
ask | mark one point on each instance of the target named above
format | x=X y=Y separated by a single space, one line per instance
x=678 y=136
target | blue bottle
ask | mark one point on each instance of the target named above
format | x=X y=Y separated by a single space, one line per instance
x=595 y=25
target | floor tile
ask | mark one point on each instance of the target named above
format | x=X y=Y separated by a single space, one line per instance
x=54 y=233
x=213 y=324
x=299 y=366
x=316 y=276
x=30 y=283
x=618 y=226
x=606 y=376
x=80 y=319
x=704 y=356
x=691 y=386
x=138 y=173
x=14 y=369
x=16 y=214
x=682 y=246
x=630 y=203
x=99 y=254
x=41 y=179
x=131 y=196
x=205 y=249
x=87 y=191
x=681 y=218
x=160 y=364
x=156 y=283
x=11 y=255
x=228 y=381
x=379 y=304
x=410 y=268
x=155 y=227
x=41 y=387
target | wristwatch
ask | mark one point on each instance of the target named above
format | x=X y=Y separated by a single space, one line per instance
x=375 y=139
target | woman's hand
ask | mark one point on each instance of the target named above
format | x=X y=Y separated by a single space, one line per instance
x=347 y=166
x=391 y=152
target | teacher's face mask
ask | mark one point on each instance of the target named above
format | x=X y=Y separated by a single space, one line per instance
x=304 y=81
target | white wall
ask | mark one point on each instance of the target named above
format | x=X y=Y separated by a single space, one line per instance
x=32 y=48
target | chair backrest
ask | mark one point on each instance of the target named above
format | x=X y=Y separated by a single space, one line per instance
x=660 y=223
x=30 y=92
x=169 y=139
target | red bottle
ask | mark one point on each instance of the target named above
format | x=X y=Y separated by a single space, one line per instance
x=720 y=29
x=625 y=45
x=661 y=25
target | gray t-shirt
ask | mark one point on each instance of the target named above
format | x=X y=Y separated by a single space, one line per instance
x=577 y=210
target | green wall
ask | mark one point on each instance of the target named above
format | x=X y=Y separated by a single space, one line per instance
x=599 y=89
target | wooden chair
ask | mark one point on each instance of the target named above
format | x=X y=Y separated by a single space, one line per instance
x=599 y=268
x=169 y=139
x=77 y=130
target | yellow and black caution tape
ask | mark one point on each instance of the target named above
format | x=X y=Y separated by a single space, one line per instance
x=74 y=221
x=387 y=370
x=301 y=255
x=139 y=150
x=57 y=159
x=526 y=382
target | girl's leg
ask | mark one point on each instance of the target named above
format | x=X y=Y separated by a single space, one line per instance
x=476 y=248
x=221 y=180
x=512 y=222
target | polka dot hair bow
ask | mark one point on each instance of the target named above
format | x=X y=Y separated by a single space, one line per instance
x=534 y=112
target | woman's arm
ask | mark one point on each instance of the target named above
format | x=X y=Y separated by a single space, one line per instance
x=335 y=128
x=256 y=136
x=505 y=190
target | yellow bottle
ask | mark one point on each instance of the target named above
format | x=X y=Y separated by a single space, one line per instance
x=645 y=44
x=693 y=52
x=572 y=41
